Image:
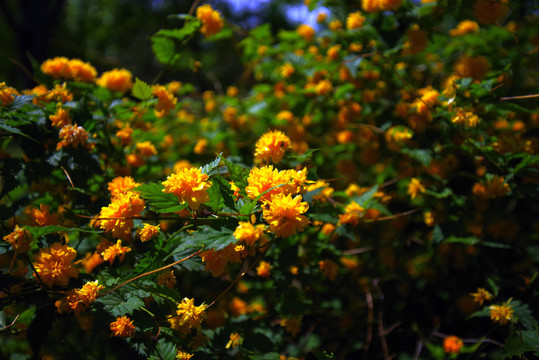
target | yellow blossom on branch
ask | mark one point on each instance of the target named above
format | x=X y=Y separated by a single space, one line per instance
x=120 y=80
x=118 y=216
x=211 y=20
x=355 y=20
x=54 y=266
x=265 y=178
x=481 y=295
x=73 y=136
x=415 y=187
x=353 y=212
x=271 y=145
x=284 y=214
x=122 y=327
x=148 y=232
x=19 y=239
x=116 y=250
x=121 y=184
x=61 y=118
x=189 y=185
x=235 y=340
x=188 y=316
x=501 y=314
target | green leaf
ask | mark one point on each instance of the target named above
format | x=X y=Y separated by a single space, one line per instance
x=160 y=201
x=142 y=90
x=38 y=231
x=364 y=199
x=210 y=169
x=524 y=315
x=208 y=238
x=225 y=191
x=165 y=350
x=520 y=343
x=164 y=50
x=485 y=311
x=238 y=175
x=437 y=235
x=423 y=156
x=14 y=130
x=469 y=240
x=119 y=304
x=216 y=199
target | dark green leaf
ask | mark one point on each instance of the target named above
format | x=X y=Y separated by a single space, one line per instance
x=14 y=130
x=216 y=199
x=160 y=201
x=364 y=199
x=238 y=174
x=142 y=90
x=210 y=169
x=208 y=238
x=165 y=350
x=38 y=231
x=522 y=342
x=423 y=156
x=524 y=315
x=469 y=240
x=226 y=191
x=119 y=304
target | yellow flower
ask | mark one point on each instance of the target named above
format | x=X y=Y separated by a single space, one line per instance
x=146 y=148
x=465 y=27
x=120 y=80
x=235 y=340
x=284 y=214
x=271 y=145
x=501 y=314
x=59 y=93
x=181 y=355
x=354 y=20
x=121 y=184
x=166 y=101
x=372 y=6
x=467 y=118
x=452 y=344
x=216 y=261
x=42 y=216
x=481 y=295
x=287 y=70
x=110 y=253
x=415 y=187
x=73 y=136
x=189 y=185
x=54 y=265
x=79 y=300
x=263 y=179
x=118 y=216
x=122 y=327
x=61 y=118
x=81 y=71
x=325 y=191
x=56 y=67
x=19 y=239
x=148 y=232
x=188 y=316
x=211 y=20
x=352 y=214
x=291 y=325
x=323 y=87
x=249 y=234
x=263 y=269
x=306 y=32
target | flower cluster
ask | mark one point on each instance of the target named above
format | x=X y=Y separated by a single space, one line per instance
x=118 y=216
x=54 y=266
x=211 y=20
x=69 y=69
x=189 y=185
x=188 y=316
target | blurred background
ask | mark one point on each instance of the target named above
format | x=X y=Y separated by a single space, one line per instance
x=116 y=33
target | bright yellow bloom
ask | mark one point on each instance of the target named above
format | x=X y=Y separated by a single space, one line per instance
x=452 y=344
x=7 y=94
x=120 y=80
x=124 y=134
x=188 y=316
x=306 y=32
x=59 y=93
x=61 y=118
x=148 y=232
x=263 y=269
x=372 y=6
x=189 y=185
x=146 y=149
x=271 y=145
x=266 y=177
x=121 y=184
x=118 y=216
x=56 y=67
x=116 y=250
x=285 y=115
x=287 y=70
x=248 y=233
x=122 y=327
x=415 y=187
x=284 y=214
x=323 y=87
x=235 y=340
x=465 y=27
x=354 y=20
x=335 y=25
x=352 y=214
x=481 y=295
x=211 y=20
x=466 y=118
x=181 y=355
x=166 y=101
x=19 y=239
x=54 y=266
x=81 y=71
x=501 y=314
x=73 y=136
x=325 y=191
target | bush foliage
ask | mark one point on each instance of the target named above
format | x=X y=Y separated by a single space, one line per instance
x=370 y=190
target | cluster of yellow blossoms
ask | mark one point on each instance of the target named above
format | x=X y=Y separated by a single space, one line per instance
x=54 y=266
x=69 y=69
x=118 y=216
x=372 y=6
x=78 y=300
x=7 y=94
x=189 y=185
x=19 y=239
x=122 y=327
x=211 y=20
x=187 y=316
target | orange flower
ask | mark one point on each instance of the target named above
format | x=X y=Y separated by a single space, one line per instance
x=118 y=216
x=81 y=71
x=110 y=253
x=306 y=32
x=42 y=216
x=182 y=355
x=19 y=239
x=329 y=268
x=166 y=101
x=7 y=94
x=146 y=148
x=284 y=214
x=211 y=20
x=271 y=145
x=188 y=316
x=235 y=340
x=59 y=93
x=354 y=20
x=167 y=279
x=467 y=118
x=73 y=136
x=120 y=80
x=61 y=118
x=352 y=214
x=189 y=185
x=481 y=295
x=54 y=265
x=215 y=261
x=501 y=314
x=79 y=300
x=249 y=234
x=56 y=67
x=263 y=179
x=452 y=344
x=263 y=269
x=122 y=327
x=121 y=184
x=148 y=232
x=415 y=187
x=490 y=11
x=465 y=27
x=291 y=325
x=475 y=67
x=323 y=87
x=124 y=135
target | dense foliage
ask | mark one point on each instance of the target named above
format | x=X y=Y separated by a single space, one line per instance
x=372 y=193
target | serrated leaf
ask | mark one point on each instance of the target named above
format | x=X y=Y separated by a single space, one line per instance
x=238 y=174
x=118 y=304
x=207 y=238
x=216 y=199
x=14 y=130
x=523 y=313
x=423 y=156
x=38 y=231
x=226 y=191
x=520 y=343
x=164 y=50
x=142 y=90
x=364 y=199
x=209 y=169
x=485 y=311
x=159 y=201
x=165 y=350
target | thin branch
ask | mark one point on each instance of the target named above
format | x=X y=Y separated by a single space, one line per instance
x=12 y=323
x=370 y=320
x=149 y=273
x=531 y=96
x=193 y=7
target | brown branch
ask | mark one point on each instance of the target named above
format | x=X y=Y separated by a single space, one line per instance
x=68 y=177
x=193 y=7
x=149 y=273
x=370 y=320
x=531 y=96
x=12 y=323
